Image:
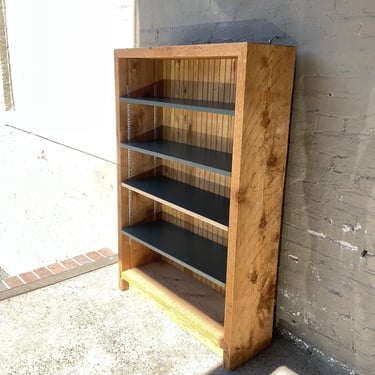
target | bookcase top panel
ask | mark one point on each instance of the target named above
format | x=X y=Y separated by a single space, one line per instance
x=201 y=51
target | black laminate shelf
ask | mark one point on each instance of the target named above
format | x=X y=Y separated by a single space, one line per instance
x=214 y=161
x=189 y=104
x=192 y=251
x=196 y=201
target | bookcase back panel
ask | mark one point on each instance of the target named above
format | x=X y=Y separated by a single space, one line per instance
x=196 y=276
x=200 y=79
x=209 y=80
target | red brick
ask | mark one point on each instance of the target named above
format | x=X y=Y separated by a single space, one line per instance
x=43 y=272
x=13 y=282
x=28 y=277
x=69 y=264
x=106 y=252
x=94 y=255
x=2 y=286
x=56 y=268
x=82 y=259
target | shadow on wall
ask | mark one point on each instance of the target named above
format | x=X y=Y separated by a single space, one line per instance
x=255 y=30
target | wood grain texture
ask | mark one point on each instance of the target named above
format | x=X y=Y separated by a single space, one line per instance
x=218 y=50
x=195 y=202
x=194 y=306
x=121 y=77
x=202 y=79
x=265 y=76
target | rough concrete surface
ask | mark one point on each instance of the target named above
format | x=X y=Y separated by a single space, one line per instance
x=56 y=202
x=87 y=325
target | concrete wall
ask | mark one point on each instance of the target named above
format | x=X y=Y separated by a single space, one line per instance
x=326 y=289
x=57 y=146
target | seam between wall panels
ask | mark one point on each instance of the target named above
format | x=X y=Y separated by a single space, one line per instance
x=60 y=144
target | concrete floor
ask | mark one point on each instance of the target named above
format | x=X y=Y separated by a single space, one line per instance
x=87 y=326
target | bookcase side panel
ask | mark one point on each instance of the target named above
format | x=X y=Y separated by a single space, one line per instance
x=260 y=142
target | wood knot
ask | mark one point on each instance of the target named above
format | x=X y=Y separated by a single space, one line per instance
x=263 y=222
x=253 y=277
x=240 y=196
x=265 y=119
x=265 y=61
x=272 y=161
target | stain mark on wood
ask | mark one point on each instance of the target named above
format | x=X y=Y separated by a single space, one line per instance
x=272 y=161
x=263 y=221
x=265 y=119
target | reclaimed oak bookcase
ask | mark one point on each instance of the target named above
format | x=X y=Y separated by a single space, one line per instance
x=202 y=142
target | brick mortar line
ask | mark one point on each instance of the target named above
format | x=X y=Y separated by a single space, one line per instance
x=6 y=285
x=28 y=282
x=56 y=277
x=21 y=279
x=82 y=255
x=49 y=269
x=76 y=261
x=52 y=271
x=35 y=274
x=60 y=264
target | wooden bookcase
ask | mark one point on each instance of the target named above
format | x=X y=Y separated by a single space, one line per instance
x=202 y=142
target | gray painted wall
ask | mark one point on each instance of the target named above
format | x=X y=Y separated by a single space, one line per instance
x=326 y=289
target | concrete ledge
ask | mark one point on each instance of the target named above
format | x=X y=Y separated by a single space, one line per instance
x=52 y=274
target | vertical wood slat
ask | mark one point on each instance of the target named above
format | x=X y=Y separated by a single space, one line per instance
x=136 y=208
x=187 y=78
x=121 y=82
x=265 y=76
x=181 y=81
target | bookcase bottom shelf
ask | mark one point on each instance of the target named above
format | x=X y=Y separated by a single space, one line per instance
x=194 y=306
x=205 y=257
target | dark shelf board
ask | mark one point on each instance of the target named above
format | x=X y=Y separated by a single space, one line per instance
x=189 y=104
x=192 y=251
x=199 y=157
x=198 y=202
